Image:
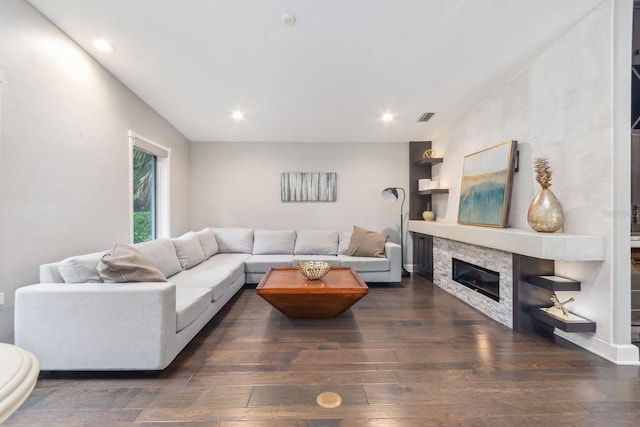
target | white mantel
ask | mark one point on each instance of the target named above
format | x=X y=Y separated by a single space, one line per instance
x=552 y=246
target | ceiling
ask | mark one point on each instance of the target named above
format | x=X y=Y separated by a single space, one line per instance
x=327 y=78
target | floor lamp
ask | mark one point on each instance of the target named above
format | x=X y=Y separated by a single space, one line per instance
x=390 y=194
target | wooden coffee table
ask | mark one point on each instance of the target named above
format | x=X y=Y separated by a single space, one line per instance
x=294 y=295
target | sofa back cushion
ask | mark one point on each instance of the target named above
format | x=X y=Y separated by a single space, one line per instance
x=127 y=264
x=162 y=254
x=312 y=242
x=344 y=239
x=188 y=250
x=208 y=242
x=234 y=240
x=274 y=242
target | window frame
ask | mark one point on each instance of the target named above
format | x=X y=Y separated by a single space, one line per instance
x=162 y=193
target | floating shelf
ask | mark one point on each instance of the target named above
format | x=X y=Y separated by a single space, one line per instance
x=429 y=161
x=554 y=317
x=554 y=283
x=433 y=191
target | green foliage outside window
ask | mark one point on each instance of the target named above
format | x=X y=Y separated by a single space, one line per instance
x=143 y=196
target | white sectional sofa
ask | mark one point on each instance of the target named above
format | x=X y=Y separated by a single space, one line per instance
x=72 y=320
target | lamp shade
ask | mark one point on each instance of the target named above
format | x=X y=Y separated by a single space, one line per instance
x=390 y=194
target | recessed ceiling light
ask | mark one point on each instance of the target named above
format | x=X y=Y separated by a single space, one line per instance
x=387 y=117
x=237 y=115
x=103 y=46
x=288 y=19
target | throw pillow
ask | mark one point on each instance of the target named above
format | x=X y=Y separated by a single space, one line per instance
x=208 y=242
x=366 y=243
x=127 y=264
x=188 y=250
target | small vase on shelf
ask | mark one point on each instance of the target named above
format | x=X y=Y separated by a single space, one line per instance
x=545 y=212
x=428 y=214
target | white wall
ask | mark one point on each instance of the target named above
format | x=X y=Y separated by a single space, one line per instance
x=64 y=152
x=561 y=106
x=238 y=184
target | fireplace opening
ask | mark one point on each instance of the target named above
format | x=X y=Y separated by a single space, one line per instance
x=482 y=280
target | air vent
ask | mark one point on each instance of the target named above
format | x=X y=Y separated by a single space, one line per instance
x=425 y=117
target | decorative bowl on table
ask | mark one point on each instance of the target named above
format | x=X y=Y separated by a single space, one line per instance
x=314 y=270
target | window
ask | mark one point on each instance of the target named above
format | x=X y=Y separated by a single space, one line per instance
x=149 y=184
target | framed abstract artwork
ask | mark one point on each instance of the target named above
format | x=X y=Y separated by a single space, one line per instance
x=485 y=192
x=308 y=186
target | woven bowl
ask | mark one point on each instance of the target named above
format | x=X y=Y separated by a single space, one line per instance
x=314 y=270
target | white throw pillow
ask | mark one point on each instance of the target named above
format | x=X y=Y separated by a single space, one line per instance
x=188 y=250
x=81 y=269
x=270 y=242
x=234 y=240
x=208 y=242
x=162 y=254
x=311 y=242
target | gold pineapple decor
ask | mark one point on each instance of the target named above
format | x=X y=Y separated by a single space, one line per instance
x=545 y=212
x=543 y=172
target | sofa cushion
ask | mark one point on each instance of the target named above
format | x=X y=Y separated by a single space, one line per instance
x=261 y=263
x=217 y=280
x=269 y=242
x=331 y=259
x=234 y=240
x=366 y=243
x=208 y=242
x=361 y=264
x=230 y=262
x=191 y=302
x=188 y=250
x=344 y=239
x=81 y=269
x=162 y=254
x=127 y=264
x=311 y=242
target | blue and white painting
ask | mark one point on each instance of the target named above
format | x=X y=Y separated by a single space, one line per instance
x=485 y=192
x=308 y=186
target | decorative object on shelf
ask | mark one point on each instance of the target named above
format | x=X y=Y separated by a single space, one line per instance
x=428 y=214
x=308 y=186
x=428 y=153
x=390 y=194
x=560 y=305
x=545 y=212
x=314 y=270
x=424 y=184
x=485 y=193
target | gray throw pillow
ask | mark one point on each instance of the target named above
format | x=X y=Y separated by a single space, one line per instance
x=366 y=243
x=127 y=264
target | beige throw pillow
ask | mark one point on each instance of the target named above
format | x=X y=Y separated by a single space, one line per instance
x=366 y=243
x=128 y=264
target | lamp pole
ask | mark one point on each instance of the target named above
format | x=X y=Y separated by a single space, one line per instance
x=405 y=273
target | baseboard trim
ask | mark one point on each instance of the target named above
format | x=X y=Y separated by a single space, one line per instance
x=620 y=354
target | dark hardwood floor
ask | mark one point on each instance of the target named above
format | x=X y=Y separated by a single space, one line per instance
x=408 y=355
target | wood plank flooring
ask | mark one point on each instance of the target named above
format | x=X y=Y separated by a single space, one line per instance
x=408 y=355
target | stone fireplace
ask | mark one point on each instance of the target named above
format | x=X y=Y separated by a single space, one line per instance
x=498 y=262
